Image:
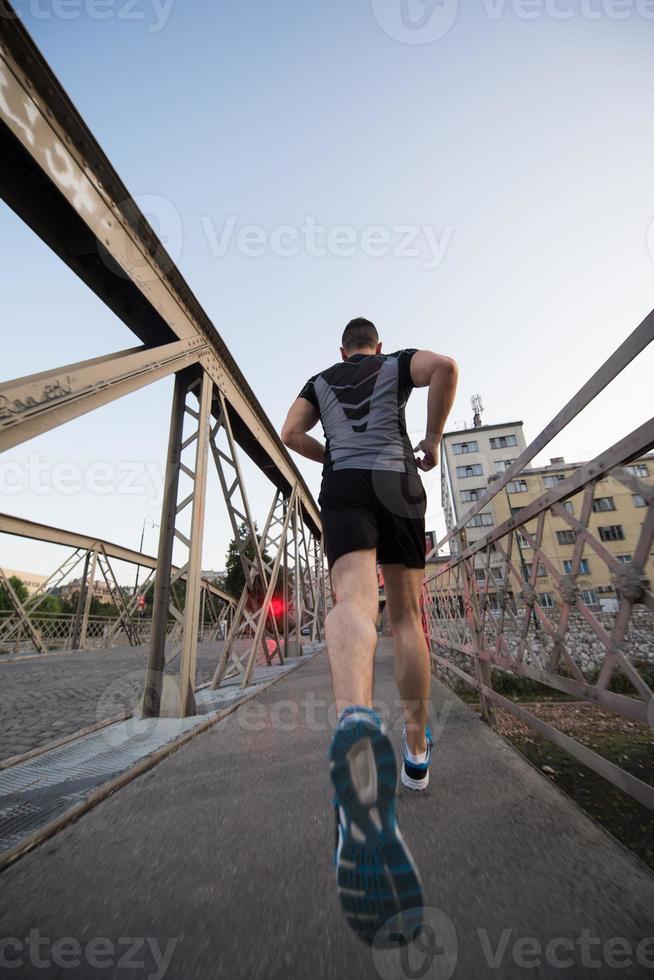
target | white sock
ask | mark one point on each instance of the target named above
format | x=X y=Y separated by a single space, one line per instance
x=415 y=759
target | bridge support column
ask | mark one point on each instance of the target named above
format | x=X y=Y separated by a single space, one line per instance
x=84 y=601
x=170 y=531
x=251 y=547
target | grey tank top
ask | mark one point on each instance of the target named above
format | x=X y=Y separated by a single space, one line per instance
x=361 y=403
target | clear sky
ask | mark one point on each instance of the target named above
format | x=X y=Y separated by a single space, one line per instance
x=510 y=155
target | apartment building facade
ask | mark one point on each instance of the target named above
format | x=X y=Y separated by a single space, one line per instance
x=469 y=459
x=616 y=518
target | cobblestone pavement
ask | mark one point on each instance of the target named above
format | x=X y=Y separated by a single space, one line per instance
x=49 y=697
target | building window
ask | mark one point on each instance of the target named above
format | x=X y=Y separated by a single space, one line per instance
x=590 y=597
x=527 y=567
x=517 y=486
x=603 y=503
x=522 y=541
x=470 y=496
x=503 y=464
x=546 y=600
x=480 y=574
x=481 y=520
x=465 y=447
x=584 y=567
x=624 y=559
x=639 y=500
x=612 y=532
x=639 y=469
x=569 y=506
x=465 y=471
x=566 y=537
x=516 y=510
x=503 y=442
x=551 y=481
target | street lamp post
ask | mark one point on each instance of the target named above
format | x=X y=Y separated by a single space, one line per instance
x=146 y=519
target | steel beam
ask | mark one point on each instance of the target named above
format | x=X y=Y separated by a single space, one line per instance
x=20 y=611
x=58 y=180
x=193 y=577
x=22 y=528
x=35 y=404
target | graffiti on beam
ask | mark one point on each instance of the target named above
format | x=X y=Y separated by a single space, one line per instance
x=24 y=117
x=50 y=392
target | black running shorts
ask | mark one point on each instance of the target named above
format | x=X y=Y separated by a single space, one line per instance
x=379 y=509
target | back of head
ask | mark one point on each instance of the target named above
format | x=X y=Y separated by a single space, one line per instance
x=359 y=334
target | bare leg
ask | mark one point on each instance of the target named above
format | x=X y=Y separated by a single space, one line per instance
x=412 y=667
x=350 y=628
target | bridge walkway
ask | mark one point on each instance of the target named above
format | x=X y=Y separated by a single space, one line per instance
x=219 y=861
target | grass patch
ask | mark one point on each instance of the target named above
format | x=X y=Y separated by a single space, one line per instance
x=626 y=819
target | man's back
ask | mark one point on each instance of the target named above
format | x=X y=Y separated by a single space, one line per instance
x=361 y=404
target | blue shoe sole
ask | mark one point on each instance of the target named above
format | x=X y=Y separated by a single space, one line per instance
x=376 y=876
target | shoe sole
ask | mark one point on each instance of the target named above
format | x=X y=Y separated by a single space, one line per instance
x=376 y=876
x=415 y=785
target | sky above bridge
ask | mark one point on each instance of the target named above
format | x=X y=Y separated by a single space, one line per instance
x=476 y=178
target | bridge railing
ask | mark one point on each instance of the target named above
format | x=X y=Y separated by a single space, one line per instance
x=57 y=631
x=510 y=603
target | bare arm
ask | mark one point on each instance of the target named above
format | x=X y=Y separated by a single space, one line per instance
x=301 y=417
x=441 y=374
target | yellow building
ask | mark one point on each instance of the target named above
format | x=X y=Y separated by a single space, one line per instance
x=30 y=580
x=616 y=518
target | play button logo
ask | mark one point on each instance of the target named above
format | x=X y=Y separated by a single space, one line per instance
x=431 y=954
x=415 y=21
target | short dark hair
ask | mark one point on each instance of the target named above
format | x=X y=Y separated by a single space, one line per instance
x=360 y=333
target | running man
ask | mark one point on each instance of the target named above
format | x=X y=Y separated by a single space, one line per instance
x=373 y=510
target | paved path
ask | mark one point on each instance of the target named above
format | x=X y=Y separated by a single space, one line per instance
x=48 y=697
x=221 y=858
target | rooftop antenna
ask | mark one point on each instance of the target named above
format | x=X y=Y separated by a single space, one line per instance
x=477 y=408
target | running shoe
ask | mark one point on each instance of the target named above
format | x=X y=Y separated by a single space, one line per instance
x=376 y=876
x=415 y=773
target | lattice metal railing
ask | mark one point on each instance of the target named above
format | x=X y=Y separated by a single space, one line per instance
x=56 y=632
x=512 y=602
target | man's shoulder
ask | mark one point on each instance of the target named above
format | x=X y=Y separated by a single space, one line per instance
x=403 y=352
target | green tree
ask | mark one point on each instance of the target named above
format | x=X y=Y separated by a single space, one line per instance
x=19 y=588
x=234 y=575
x=48 y=604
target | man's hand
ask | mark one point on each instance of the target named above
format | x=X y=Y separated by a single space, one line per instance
x=441 y=374
x=430 y=458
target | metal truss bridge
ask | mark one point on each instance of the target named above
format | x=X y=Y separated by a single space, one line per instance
x=220 y=859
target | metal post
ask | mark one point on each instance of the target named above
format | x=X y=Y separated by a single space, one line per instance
x=161 y=597
x=81 y=598
x=194 y=574
x=285 y=591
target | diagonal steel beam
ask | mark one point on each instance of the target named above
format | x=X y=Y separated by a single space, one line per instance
x=20 y=611
x=39 y=402
x=22 y=528
x=56 y=177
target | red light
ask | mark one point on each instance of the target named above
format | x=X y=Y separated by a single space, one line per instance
x=277 y=605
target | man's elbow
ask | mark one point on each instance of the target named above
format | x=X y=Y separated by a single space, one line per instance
x=287 y=437
x=446 y=370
